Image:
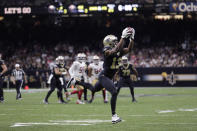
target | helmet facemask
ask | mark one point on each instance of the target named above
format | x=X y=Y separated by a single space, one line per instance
x=110 y=41
x=124 y=61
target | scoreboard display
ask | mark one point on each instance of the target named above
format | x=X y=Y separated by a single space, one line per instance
x=70 y=9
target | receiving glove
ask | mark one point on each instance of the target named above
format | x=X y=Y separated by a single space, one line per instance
x=132 y=34
x=127 y=32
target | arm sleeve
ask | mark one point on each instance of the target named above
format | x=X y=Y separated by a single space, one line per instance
x=23 y=72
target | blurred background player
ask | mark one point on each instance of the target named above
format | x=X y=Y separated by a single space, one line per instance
x=126 y=78
x=18 y=75
x=85 y=74
x=58 y=71
x=94 y=69
x=62 y=78
x=3 y=70
x=76 y=72
x=113 y=51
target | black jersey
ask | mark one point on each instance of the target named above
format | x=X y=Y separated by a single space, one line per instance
x=1 y=63
x=111 y=64
x=62 y=68
x=125 y=72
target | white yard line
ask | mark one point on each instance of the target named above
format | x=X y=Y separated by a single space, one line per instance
x=80 y=121
x=166 y=111
x=180 y=109
x=171 y=123
x=63 y=122
x=194 y=109
x=48 y=124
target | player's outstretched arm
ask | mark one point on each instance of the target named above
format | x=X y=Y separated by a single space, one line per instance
x=129 y=48
x=131 y=43
x=127 y=32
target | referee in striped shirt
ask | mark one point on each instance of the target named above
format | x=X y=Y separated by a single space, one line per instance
x=18 y=76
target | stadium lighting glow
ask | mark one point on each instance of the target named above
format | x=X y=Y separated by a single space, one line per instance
x=1 y=18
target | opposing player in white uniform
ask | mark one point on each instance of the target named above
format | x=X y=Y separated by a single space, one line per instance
x=94 y=70
x=85 y=77
x=76 y=72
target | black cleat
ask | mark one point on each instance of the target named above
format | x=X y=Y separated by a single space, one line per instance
x=90 y=101
x=105 y=101
x=45 y=102
x=134 y=101
x=62 y=102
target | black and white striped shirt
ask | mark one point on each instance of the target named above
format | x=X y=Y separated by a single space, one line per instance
x=18 y=74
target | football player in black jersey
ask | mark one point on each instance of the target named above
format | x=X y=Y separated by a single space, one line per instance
x=3 y=70
x=113 y=51
x=58 y=71
x=126 y=77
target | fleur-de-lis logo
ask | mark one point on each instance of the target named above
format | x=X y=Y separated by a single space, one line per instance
x=172 y=78
x=174 y=6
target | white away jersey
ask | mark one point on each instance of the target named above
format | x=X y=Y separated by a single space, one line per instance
x=96 y=69
x=76 y=70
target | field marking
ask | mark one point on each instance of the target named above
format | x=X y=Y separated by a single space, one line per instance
x=171 y=123
x=3 y=114
x=80 y=121
x=97 y=115
x=166 y=111
x=180 y=109
x=48 y=124
x=86 y=122
x=194 y=109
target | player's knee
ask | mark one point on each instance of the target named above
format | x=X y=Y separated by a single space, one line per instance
x=114 y=92
x=52 y=89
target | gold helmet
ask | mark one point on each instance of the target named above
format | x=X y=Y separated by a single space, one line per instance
x=110 y=41
x=124 y=60
x=60 y=60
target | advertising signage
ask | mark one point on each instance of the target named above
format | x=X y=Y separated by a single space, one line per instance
x=183 y=7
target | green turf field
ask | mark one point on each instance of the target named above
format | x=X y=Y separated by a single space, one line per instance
x=158 y=109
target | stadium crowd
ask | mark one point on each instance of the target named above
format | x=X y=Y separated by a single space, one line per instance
x=35 y=43
x=40 y=57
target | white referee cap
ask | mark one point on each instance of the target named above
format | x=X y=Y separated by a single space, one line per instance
x=17 y=65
